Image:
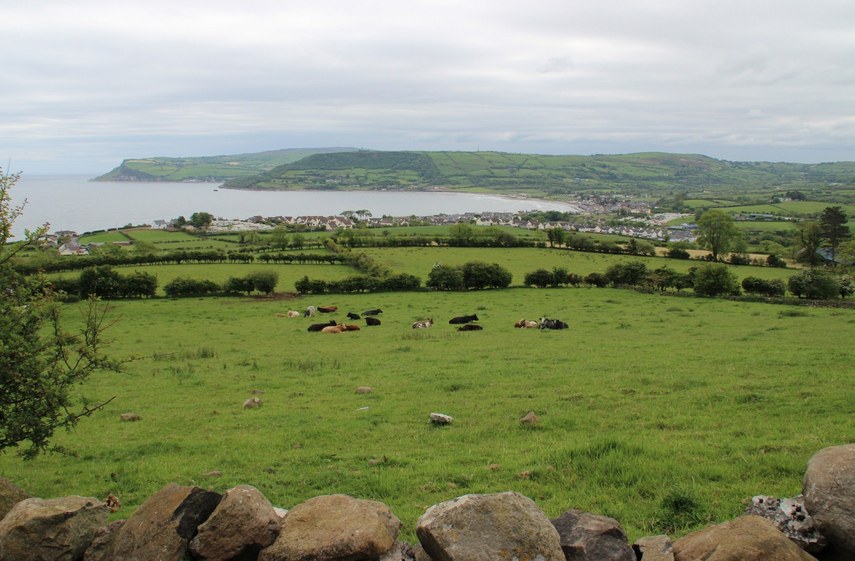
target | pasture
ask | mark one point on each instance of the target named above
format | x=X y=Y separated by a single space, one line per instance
x=665 y=413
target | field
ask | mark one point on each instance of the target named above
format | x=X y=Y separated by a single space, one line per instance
x=664 y=412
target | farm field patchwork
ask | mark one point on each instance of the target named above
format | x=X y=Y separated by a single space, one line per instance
x=665 y=413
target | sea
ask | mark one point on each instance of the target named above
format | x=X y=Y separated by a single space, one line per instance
x=73 y=202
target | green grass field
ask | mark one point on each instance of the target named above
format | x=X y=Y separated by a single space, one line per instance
x=663 y=412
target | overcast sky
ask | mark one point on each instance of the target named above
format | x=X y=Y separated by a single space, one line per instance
x=86 y=84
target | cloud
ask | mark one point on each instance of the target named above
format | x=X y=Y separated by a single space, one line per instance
x=93 y=81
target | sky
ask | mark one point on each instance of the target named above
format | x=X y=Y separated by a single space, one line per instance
x=87 y=84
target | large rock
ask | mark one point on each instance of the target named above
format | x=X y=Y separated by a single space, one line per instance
x=829 y=491
x=10 y=495
x=163 y=526
x=101 y=548
x=654 y=548
x=748 y=538
x=497 y=527
x=333 y=528
x=591 y=537
x=50 y=530
x=242 y=525
x=790 y=517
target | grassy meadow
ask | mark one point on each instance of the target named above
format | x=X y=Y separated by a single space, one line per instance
x=665 y=413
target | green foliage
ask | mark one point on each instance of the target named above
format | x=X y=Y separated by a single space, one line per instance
x=716 y=232
x=41 y=363
x=443 y=277
x=714 y=279
x=809 y=239
x=540 y=278
x=630 y=273
x=772 y=288
x=182 y=287
x=834 y=229
x=201 y=220
x=814 y=284
x=477 y=275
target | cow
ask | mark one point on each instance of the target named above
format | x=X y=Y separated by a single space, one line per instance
x=374 y=312
x=310 y=312
x=546 y=323
x=463 y=319
x=292 y=313
x=320 y=326
x=327 y=309
x=350 y=327
x=372 y=321
x=423 y=324
x=338 y=328
x=351 y=315
x=470 y=327
x=526 y=324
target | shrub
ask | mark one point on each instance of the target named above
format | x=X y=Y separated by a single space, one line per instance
x=714 y=279
x=814 y=284
x=190 y=287
x=771 y=288
x=540 y=278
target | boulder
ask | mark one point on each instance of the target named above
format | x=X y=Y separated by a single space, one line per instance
x=51 y=530
x=497 y=527
x=653 y=548
x=747 y=538
x=10 y=495
x=101 y=548
x=530 y=418
x=791 y=518
x=401 y=551
x=591 y=537
x=129 y=417
x=334 y=527
x=441 y=419
x=364 y=389
x=829 y=491
x=163 y=526
x=242 y=525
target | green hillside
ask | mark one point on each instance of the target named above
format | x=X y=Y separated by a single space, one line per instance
x=208 y=168
x=540 y=175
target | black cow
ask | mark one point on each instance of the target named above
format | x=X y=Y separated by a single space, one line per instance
x=546 y=323
x=470 y=327
x=319 y=326
x=463 y=319
x=372 y=321
x=374 y=312
x=351 y=315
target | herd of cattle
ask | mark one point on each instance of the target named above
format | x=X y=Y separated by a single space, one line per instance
x=466 y=323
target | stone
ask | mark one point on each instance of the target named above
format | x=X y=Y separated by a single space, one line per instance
x=51 y=529
x=530 y=418
x=497 y=527
x=334 y=527
x=252 y=403
x=591 y=537
x=363 y=389
x=129 y=417
x=242 y=525
x=790 y=517
x=163 y=525
x=101 y=548
x=401 y=551
x=829 y=491
x=747 y=538
x=441 y=419
x=653 y=548
x=10 y=495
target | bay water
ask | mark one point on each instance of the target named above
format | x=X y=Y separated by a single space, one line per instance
x=75 y=203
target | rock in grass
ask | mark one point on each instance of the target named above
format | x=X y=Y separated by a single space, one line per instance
x=129 y=417
x=51 y=530
x=334 y=527
x=252 y=403
x=500 y=526
x=829 y=491
x=441 y=419
x=364 y=389
x=747 y=538
x=530 y=419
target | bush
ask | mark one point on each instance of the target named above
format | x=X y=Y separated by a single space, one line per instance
x=540 y=278
x=632 y=273
x=264 y=281
x=714 y=279
x=770 y=288
x=814 y=284
x=190 y=287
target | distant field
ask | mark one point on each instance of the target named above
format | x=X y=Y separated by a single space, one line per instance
x=790 y=208
x=665 y=413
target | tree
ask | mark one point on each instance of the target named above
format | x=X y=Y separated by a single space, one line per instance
x=443 y=277
x=834 y=230
x=540 y=278
x=555 y=236
x=716 y=232
x=814 y=284
x=200 y=219
x=809 y=239
x=40 y=362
